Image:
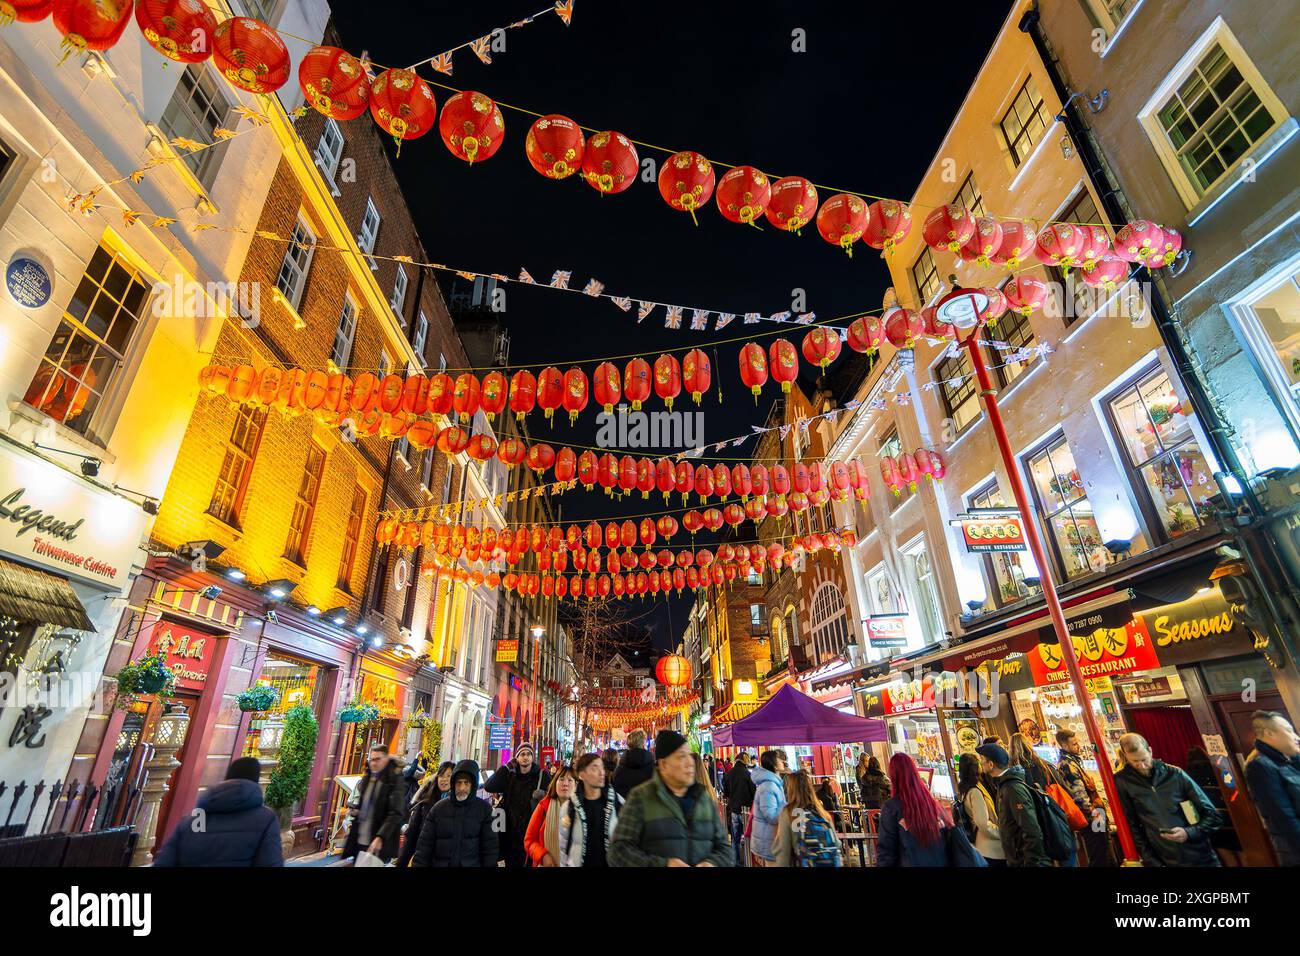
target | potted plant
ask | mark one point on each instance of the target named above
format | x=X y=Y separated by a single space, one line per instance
x=259 y=697
x=292 y=773
x=146 y=676
x=358 y=712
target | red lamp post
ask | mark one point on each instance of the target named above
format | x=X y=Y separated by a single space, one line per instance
x=962 y=308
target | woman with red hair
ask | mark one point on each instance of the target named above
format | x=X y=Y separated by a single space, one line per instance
x=912 y=821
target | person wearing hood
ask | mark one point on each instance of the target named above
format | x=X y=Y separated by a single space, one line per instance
x=459 y=831
x=636 y=767
x=1273 y=775
x=516 y=782
x=1170 y=817
x=436 y=786
x=237 y=829
x=670 y=820
x=381 y=808
x=769 y=798
x=1022 y=837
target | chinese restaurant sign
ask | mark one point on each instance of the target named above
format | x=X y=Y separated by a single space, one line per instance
x=887 y=630
x=188 y=652
x=1105 y=652
x=1200 y=628
x=507 y=652
x=992 y=534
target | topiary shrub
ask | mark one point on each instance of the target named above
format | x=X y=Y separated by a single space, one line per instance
x=292 y=775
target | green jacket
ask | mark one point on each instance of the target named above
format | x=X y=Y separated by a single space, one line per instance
x=652 y=829
x=1022 y=837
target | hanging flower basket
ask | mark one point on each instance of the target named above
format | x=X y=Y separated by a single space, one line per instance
x=420 y=721
x=259 y=697
x=359 y=713
x=147 y=676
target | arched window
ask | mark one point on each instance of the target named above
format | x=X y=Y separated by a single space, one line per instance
x=830 y=622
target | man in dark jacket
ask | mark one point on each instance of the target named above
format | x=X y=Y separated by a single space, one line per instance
x=671 y=819
x=229 y=827
x=738 y=790
x=1273 y=775
x=459 y=831
x=1022 y=837
x=516 y=782
x=1170 y=817
x=636 y=767
x=381 y=808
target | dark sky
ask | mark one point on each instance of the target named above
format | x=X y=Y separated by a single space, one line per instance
x=863 y=109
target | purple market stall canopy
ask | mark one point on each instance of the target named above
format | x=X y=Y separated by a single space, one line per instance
x=792 y=717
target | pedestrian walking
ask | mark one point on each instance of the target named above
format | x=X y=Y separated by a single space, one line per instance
x=1170 y=817
x=979 y=810
x=460 y=830
x=738 y=795
x=1018 y=826
x=1037 y=771
x=412 y=776
x=435 y=787
x=549 y=829
x=912 y=821
x=636 y=767
x=238 y=829
x=380 y=808
x=610 y=759
x=805 y=835
x=596 y=807
x=1273 y=776
x=669 y=820
x=873 y=785
x=769 y=798
x=1083 y=789
x=515 y=782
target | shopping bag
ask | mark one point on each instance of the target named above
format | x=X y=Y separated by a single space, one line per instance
x=1072 y=812
x=366 y=858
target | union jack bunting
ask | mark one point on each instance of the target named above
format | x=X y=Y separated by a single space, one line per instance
x=805 y=318
x=724 y=320
x=482 y=48
x=752 y=317
x=593 y=288
x=699 y=320
x=525 y=276
x=644 y=309
x=442 y=63
x=564 y=10
x=560 y=280
x=622 y=301
x=673 y=320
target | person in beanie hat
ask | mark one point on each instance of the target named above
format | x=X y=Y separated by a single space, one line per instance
x=515 y=783
x=1022 y=837
x=670 y=819
x=230 y=826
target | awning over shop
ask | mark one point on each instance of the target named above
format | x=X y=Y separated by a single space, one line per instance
x=33 y=596
x=733 y=712
x=792 y=717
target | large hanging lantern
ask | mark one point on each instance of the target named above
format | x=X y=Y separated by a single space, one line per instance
x=997 y=306
x=540 y=457
x=607 y=386
x=793 y=204
x=1017 y=242
x=511 y=451
x=665 y=481
x=471 y=126
x=92 y=24
x=668 y=379
x=865 y=334
x=783 y=362
x=566 y=468
x=250 y=55
x=753 y=368
x=1096 y=243
x=609 y=163
x=686 y=181
x=932 y=328
x=550 y=390
x=743 y=194
x=492 y=395
x=636 y=382
x=842 y=220
x=452 y=441
x=24 y=11
x=903 y=327
x=482 y=447
x=1106 y=273
x=554 y=146
x=403 y=105
x=1026 y=294
x=1059 y=245
x=180 y=30
x=983 y=243
x=334 y=83
x=821 y=346
x=742 y=483
x=523 y=393
x=888 y=224
x=1136 y=240
x=948 y=228
x=697 y=373
x=465 y=397
x=441 y=388
x=575 y=393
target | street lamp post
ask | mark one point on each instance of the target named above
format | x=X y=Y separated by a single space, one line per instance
x=962 y=308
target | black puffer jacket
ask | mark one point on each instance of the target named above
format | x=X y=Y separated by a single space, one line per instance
x=738 y=787
x=516 y=791
x=238 y=830
x=1274 y=781
x=1155 y=803
x=388 y=811
x=458 y=833
x=637 y=766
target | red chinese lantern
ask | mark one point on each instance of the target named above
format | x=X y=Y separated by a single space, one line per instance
x=758 y=479
x=673 y=671
x=686 y=181
x=756 y=508
x=645 y=477
x=777 y=506
x=636 y=382
x=523 y=393
x=178 y=29
x=855 y=474
x=250 y=55
x=465 y=397
x=1165 y=250
x=666 y=526
x=554 y=146
x=566 y=465
x=684 y=479
x=983 y=243
x=842 y=220
x=889 y=472
x=721 y=480
x=24 y=11
x=541 y=457
x=996 y=308
x=783 y=363
x=692 y=522
x=888 y=224
x=664 y=479
x=743 y=194
x=403 y=105
x=471 y=126
x=1018 y=240
x=441 y=388
x=627 y=480
x=1096 y=243
x=798 y=502
x=668 y=379
x=610 y=163
x=932 y=328
x=575 y=393
x=482 y=447
x=607 y=386
x=948 y=228
x=334 y=83
x=697 y=373
x=733 y=514
x=492 y=395
x=96 y=24
x=741 y=481
x=902 y=327
x=821 y=346
x=908 y=470
x=793 y=204
x=704 y=482
x=1059 y=245
x=452 y=441
x=865 y=334
x=511 y=452
x=550 y=390
x=1026 y=294
x=607 y=472
x=1107 y=273
x=1136 y=240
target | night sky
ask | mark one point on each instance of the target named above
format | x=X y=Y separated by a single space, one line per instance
x=864 y=109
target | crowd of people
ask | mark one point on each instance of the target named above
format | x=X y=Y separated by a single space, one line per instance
x=675 y=807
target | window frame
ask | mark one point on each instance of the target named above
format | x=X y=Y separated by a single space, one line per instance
x=1021 y=322
x=367 y=238
x=1073 y=293
x=1037 y=111
x=352 y=537
x=295 y=544
x=341 y=359
x=933 y=273
x=256 y=418
x=959 y=198
x=946 y=395
x=926 y=594
x=401 y=282
x=205 y=81
x=421 y=339
x=1053 y=441
x=302 y=271
x=989 y=560
x=329 y=161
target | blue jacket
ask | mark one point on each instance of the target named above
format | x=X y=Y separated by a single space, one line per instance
x=769 y=798
x=1274 y=782
x=234 y=828
x=898 y=847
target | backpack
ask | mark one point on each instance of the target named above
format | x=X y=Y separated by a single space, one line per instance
x=961 y=819
x=814 y=841
x=1058 y=838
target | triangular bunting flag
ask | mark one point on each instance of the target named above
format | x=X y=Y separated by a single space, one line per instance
x=724 y=320
x=482 y=48
x=752 y=317
x=806 y=318
x=564 y=10
x=673 y=320
x=560 y=280
x=593 y=288
x=525 y=277
x=622 y=301
x=644 y=309
x=442 y=63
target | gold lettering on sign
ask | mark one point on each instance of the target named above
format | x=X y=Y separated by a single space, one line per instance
x=1192 y=630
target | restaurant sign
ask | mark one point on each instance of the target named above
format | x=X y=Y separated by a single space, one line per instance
x=507 y=652
x=1201 y=628
x=1104 y=652
x=984 y=535
x=188 y=652
x=887 y=630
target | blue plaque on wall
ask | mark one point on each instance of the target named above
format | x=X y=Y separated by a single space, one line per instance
x=28 y=282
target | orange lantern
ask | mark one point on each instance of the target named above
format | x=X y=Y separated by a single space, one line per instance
x=441 y=388
x=575 y=393
x=492 y=395
x=636 y=382
x=541 y=457
x=250 y=55
x=403 y=105
x=888 y=224
x=686 y=181
x=842 y=220
x=471 y=126
x=743 y=194
x=92 y=24
x=610 y=163
x=554 y=146
x=334 y=82
x=673 y=671
x=523 y=393
x=465 y=397
x=566 y=466
x=24 y=11
x=178 y=29
x=793 y=204
x=821 y=346
x=511 y=452
x=452 y=441
x=482 y=447
x=668 y=379
x=753 y=368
